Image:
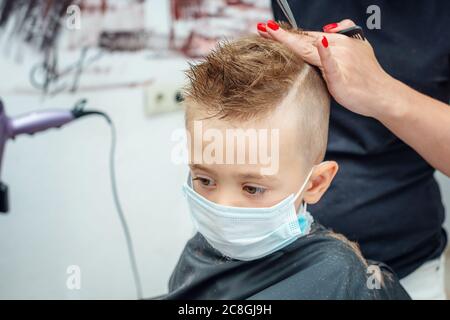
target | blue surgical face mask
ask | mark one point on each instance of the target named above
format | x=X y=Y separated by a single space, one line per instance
x=248 y=233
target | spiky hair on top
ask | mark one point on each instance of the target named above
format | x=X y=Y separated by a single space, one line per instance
x=247 y=78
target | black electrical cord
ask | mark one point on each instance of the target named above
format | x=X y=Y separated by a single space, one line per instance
x=78 y=111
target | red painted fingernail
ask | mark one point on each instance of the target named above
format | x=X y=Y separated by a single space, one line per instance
x=329 y=27
x=261 y=27
x=273 y=25
x=325 y=42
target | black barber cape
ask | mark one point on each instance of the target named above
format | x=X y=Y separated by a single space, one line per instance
x=316 y=266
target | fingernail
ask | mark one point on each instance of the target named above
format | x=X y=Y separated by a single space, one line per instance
x=261 y=27
x=325 y=42
x=273 y=25
x=329 y=27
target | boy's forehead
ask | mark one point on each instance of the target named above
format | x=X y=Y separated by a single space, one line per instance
x=280 y=124
x=283 y=117
x=268 y=141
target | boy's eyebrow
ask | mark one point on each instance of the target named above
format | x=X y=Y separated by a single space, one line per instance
x=200 y=167
x=254 y=176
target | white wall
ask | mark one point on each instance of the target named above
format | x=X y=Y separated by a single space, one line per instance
x=62 y=210
x=444 y=183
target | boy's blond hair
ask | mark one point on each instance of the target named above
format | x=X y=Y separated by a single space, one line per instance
x=249 y=77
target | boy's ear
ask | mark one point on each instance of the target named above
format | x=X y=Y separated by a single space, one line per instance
x=320 y=180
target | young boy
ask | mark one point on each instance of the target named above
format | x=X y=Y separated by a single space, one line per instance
x=257 y=124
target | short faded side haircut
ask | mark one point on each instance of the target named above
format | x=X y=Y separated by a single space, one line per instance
x=249 y=77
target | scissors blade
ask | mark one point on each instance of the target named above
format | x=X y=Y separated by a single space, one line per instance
x=284 y=5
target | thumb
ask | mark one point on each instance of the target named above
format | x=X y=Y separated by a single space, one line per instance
x=330 y=67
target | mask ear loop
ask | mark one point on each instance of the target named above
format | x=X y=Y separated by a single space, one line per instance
x=189 y=180
x=299 y=192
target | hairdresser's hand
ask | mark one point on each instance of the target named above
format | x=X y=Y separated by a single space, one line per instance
x=354 y=77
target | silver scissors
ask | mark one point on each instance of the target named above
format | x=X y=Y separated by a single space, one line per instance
x=353 y=32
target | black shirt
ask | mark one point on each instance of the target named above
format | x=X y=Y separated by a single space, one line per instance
x=385 y=196
x=316 y=266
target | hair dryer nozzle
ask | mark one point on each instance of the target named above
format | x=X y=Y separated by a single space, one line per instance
x=4 y=202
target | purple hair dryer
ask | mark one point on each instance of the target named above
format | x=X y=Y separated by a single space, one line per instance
x=31 y=123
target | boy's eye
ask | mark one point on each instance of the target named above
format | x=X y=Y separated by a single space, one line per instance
x=204 y=181
x=254 y=190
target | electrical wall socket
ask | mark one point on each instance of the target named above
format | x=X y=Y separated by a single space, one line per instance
x=161 y=97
